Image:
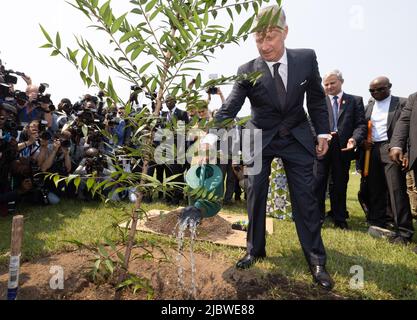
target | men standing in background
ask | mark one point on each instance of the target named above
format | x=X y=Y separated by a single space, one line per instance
x=389 y=205
x=348 y=129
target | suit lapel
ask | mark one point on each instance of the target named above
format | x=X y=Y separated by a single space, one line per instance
x=330 y=109
x=292 y=72
x=392 y=110
x=343 y=103
x=268 y=82
x=369 y=109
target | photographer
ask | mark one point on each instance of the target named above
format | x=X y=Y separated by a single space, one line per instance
x=99 y=166
x=24 y=187
x=29 y=140
x=61 y=116
x=59 y=160
x=37 y=107
x=115 y=124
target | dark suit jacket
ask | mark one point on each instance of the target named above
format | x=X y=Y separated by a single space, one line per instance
x=405 y=131
x=268 y=114
x=351 y=123
x=396 y=106
x=179 y=114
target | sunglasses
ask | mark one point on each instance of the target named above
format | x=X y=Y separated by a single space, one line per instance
x=382 y=89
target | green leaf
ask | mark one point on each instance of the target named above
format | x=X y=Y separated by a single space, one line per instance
x=55 y=53
x=246 y=26
x=150 y=5
x=102 y=250
x=84 y=61
x=155 y=13
x=117 y=23
x=56 y=181
x=58 y=41
x=47 y=36
x=91 y=67
x=145 y=66
x=90 y=183
x=109 y=265
x=77 y=182
x=47 y=45
x=137 y=52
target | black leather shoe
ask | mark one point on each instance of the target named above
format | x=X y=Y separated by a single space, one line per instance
x=247 y=261
x=341 y=225
x=321 y=277
x=399 y=240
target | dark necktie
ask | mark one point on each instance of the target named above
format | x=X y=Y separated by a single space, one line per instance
x=335 y=112
x=279 y=84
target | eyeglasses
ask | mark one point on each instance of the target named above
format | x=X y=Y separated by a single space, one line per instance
x=382 y=89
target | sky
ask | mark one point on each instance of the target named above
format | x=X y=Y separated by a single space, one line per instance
x=362 y=38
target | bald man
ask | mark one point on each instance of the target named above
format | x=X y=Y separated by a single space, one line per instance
x=389 y=205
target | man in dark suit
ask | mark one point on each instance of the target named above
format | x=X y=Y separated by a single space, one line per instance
x=172 y=117
x=389 y=205
x=277 y=109
x=404 y=138
x=348 y=126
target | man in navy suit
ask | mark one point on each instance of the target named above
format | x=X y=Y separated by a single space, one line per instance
x=277 y=109
x=348 y=127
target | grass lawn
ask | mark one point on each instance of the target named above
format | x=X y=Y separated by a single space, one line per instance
x=390 y=271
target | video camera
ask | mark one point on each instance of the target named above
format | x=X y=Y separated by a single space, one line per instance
x=44 y=98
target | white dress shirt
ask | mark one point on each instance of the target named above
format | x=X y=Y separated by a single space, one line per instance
x=283 y=72
x=339 y=103
x=283 y=68
x=379 y=120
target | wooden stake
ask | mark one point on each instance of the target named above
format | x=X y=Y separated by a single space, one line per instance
x=14 y=267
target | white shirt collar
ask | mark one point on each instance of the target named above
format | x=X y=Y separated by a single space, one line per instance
x=339 y=96
x=282 y=61
x=385 y=101
x=173 y=110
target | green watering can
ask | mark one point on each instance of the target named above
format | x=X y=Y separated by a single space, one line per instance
x=211 y=178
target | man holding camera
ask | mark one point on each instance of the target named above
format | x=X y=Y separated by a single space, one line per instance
x=36 y=107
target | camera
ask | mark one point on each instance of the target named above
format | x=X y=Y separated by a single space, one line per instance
x=65 y=143
x=136 y=88
x=44 y=134
x=213 y=90
x=43 y=98
x=112 y=119
x=94 y=163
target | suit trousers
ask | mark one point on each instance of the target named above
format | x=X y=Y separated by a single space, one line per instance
x=334 y=165
x=298 y=165
x=230 y=179
x=387 y=188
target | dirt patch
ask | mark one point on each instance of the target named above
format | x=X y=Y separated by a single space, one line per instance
x=210 y=229
x=216 y=279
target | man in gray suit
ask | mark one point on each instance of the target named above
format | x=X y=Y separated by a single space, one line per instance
x=404 y=138
x=277 y=108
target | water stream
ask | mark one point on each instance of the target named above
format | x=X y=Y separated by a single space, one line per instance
x=190 y=218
